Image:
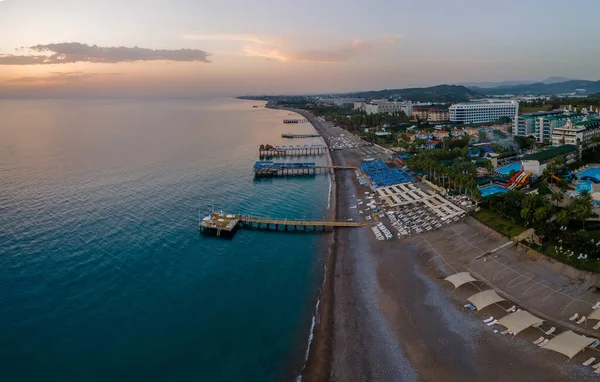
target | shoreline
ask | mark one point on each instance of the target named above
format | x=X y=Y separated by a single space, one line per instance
x=317 y=361
x=385 y=314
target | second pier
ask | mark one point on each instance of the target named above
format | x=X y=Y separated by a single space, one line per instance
x=289 y=135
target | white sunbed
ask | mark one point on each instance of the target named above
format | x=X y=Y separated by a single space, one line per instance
x=492 y=323
x=596 y=306
x=597 y=326
x=505 y=332
x=597 y=371
x=589 y=361
x=574 y=317
x=511 y=309
x=544 y=342
x=596 y=366
x=581 y=320
x=552 y=330
x=538 y=341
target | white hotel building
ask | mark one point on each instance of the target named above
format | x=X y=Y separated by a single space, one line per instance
x=483 y=112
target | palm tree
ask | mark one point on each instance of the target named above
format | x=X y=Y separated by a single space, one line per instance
x=563 y=218
x=581 y=206
x=557 y=197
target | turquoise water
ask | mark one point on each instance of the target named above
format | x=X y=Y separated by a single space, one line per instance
x=103 y=274
x=516 y=166
x=591 y=172
x=491 y=190
x=583 y=185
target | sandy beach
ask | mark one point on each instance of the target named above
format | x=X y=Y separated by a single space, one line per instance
x=386 y=315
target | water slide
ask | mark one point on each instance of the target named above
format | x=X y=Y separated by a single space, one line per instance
x=559 y=180
x=513 y=180
x=518 y=180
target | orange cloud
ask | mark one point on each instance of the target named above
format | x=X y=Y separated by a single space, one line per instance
x=347 y=52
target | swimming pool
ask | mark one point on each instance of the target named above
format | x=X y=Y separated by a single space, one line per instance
x=593 y=173
x=491 y=190
x=583 y=185
x=516 y=166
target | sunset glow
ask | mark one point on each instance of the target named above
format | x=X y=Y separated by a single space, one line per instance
x=194 y=48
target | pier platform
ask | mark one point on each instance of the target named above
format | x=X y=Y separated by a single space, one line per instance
x=290 y=135
x=268 y=151
x=219 y=224
x=224 y=224
x=294 y=120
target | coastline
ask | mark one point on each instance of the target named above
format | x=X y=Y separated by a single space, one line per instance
x=317 y=361
x=385 y=314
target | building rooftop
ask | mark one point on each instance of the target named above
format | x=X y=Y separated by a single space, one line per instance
x=593 y=124
x=549 y=154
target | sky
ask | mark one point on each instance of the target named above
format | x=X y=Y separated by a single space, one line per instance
x=235 y=47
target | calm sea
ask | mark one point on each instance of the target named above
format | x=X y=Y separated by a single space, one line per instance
x=103 y=273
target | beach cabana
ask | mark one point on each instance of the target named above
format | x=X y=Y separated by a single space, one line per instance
x=595 y=315
x=519 y=321
x=485 y=298
x=459 y=279
x=569 y=343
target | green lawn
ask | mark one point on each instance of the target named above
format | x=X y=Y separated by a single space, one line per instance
x=500 y=224
x=589 y=265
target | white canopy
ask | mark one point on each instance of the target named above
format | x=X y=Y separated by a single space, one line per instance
x=595 y=315
x=569 y=343
x=459 y=279
x=519 y=321
x=485 y=298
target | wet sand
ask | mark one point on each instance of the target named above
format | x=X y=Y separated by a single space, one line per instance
x=386 y=315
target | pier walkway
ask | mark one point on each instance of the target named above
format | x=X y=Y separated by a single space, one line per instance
x=255 y=221
x=269 y=151
x=294 y=120
x=291 y=135
x=273 y=169
x=224 y=224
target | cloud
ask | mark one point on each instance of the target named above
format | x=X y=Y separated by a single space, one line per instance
x=228 y=38
x=62 y=77
x=342 y=53
x=70 y=52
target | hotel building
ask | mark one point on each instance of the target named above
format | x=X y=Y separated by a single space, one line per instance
x=483 y=112
x=584 y=133
x=541 y=125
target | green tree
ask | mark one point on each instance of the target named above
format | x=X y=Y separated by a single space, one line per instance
x=563 y=218
x=557 y=197
x=581 y=207
x=482 y=136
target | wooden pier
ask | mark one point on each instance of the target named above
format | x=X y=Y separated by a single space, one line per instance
x=269 y=151
x=294 y=120
x=296 y=225
x=268 y=169
x=290 y=135
x=225 y=225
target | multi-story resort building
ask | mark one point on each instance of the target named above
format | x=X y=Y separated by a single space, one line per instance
x=584 y=134
x=541 y=125
x=435 y=114
x=382 y=106
x=483 y=112
x=430 y=114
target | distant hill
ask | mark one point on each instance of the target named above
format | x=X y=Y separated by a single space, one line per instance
x=596 y=95
x=504 y=84
x=439 y=93
x=556 y=80
x=496 y=84
x=580 y=86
